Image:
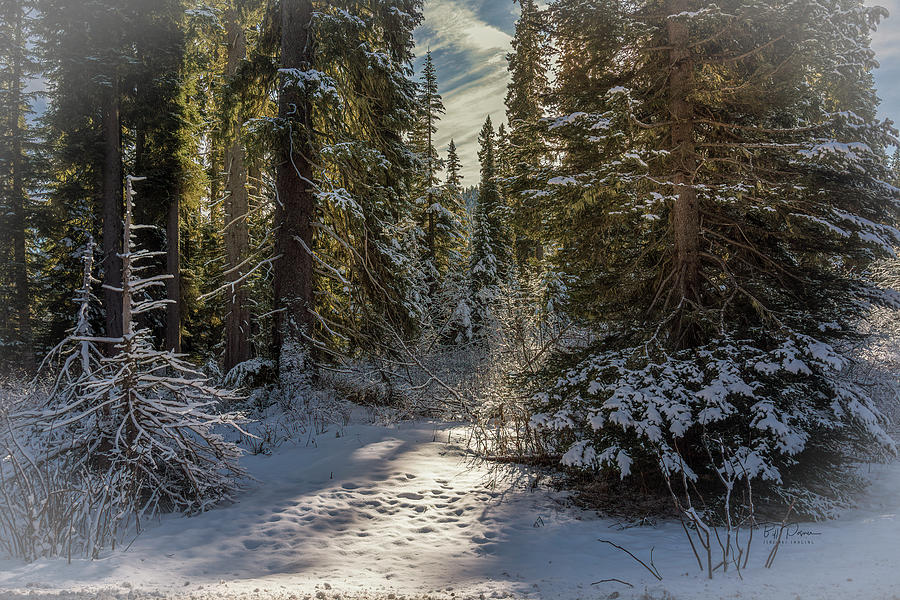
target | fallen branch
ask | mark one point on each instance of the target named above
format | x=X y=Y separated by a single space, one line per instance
x=613 y=579
x=652 y=567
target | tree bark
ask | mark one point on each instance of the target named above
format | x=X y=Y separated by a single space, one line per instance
x=112 y=214
x=685 y=217
x=296 y=208
x=173 y=268
x=237 y=238
x=22 y=299
x=430 y=238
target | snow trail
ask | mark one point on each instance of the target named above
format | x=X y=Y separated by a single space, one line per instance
x=402 y=510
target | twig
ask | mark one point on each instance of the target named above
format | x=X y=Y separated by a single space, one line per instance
x=771 y=559
x=613 y=579
x=652 y=568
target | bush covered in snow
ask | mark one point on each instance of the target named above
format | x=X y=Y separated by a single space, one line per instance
x=788 y=414
x=117 y=438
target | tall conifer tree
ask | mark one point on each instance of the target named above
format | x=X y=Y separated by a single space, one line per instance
x=458 y=228
x=88 y=57
x=454 y=167
x=490 y=259
x=528 y=152
x=17 y=146
x=431 y=108
x=726 y=196
x=237 y=236
x=296 y=196
x=349 y=77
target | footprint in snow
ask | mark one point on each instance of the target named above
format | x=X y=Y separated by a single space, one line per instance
x=252 y=544
x=410 y=495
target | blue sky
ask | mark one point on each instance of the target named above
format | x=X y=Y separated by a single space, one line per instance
x=469 y=40
x=886 y=43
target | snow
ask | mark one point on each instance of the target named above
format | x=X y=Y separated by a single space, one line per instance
x=369 y=511
x=567 y=119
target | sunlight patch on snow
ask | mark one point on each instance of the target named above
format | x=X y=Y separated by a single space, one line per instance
x=403 y=510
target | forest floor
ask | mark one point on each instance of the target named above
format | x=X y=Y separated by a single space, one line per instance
x=394 y=512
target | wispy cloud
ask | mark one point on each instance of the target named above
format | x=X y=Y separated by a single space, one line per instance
x=886 y=43
x=469 y=40
x=469 y=46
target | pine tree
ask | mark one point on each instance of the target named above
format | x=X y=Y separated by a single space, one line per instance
x=431 y=108
x=528 y=152
x=296 y=198
x=458 y=225
x=79 y=48
x=451 y=305
x=358 y=180
x=158 y=116
x=454 y=166
x=726 y=198
x=119 y=95
x=443 y=217
x=237 y=234
x=490 y=259
x=17 y=65
x=227 y=227
x=129 y=435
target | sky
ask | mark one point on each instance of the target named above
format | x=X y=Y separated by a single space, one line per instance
x=886 y=43
x=469 y=40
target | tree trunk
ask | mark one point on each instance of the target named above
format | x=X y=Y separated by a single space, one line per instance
x=22 y=300
x=430 y=238
x=296 y=209
x=112 y=214
x=685 y=217
x=237 y=238
x=173 y=268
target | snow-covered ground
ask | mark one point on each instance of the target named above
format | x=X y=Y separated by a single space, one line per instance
x=402 y=511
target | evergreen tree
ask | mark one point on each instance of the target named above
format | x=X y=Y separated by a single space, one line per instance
x=450 y=305
x=296 y=198
x=355 y=103
x=227 y=229
x=87 y=57
x=725 y=197
x=17 y=173
x=157 y=114
x=431 y=108
x=458 y=226
x=442 y=215
x=237 y=202
x=490 y=259
x=119 y=97
x=528 y=152
x=454 y=166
